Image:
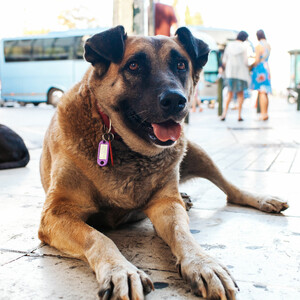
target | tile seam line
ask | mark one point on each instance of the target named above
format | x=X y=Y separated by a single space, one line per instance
x=233 y=135
x=22 y=253
x=38 y=256
x=272 y=163
x=294 y=158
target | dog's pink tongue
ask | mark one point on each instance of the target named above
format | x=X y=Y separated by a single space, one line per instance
x=167 y=131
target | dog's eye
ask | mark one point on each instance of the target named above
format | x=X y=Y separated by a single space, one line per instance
x=133 y=66
x=181 y=66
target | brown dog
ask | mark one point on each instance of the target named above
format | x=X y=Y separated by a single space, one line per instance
x=141 y=85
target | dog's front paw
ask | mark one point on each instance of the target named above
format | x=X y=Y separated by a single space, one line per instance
x=122 y=280
x=272 y=204
x=207 y=277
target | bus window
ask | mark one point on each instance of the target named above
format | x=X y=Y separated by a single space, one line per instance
x=211 y=67
x=48 y=45
x=63 y=48
x=17 y=50
x=38 y=50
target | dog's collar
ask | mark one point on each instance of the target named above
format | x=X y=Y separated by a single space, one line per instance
x=106 y=121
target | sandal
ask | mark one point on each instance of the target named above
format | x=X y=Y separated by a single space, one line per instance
x=240 y=119
x=223 y=119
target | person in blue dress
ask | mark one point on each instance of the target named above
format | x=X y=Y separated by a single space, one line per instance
x=261 y=79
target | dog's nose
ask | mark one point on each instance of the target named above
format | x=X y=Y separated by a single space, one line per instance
x=172 y=102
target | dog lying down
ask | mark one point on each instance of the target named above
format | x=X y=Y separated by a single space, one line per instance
x=131 y=103
x=13 y=152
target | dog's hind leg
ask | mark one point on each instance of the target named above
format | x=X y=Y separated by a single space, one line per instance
x=197 y=163
x=187 y=201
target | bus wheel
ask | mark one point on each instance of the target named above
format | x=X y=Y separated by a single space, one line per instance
x=54 y=96
x=35 y=103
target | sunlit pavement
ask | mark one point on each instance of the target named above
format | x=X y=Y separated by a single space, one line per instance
x=261 y=250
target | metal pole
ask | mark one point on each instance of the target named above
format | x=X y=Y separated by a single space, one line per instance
x=151 y=18
x=123 y=14
x=220 y=96
x=140 y=17
x=297 y=84
x=298 y=99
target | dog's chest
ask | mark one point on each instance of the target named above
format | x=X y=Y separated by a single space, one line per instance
x=134 y=178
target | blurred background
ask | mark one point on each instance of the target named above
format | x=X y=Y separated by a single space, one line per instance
x=277 y=18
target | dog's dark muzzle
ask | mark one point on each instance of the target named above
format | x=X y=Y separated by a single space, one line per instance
x=172 y=102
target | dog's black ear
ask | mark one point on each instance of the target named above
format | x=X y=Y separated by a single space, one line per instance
x=105 y=47
x=196 y=49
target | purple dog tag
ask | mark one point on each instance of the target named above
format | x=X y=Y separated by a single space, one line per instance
x=103 y=153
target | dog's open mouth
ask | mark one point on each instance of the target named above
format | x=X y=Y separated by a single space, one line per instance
x=161 y=133
x=167 y=131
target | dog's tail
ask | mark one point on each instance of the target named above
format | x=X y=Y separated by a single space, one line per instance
x=16 y=164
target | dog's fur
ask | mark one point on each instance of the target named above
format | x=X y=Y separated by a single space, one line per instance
x=13 y=151
x=136 y=82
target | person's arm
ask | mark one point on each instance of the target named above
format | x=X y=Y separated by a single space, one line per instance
x=257 y=57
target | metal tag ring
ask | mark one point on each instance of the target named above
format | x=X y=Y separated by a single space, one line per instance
x=108 y=136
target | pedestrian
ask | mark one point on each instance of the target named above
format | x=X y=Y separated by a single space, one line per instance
x=261 y=79
x=235 y=62
x=165 y=19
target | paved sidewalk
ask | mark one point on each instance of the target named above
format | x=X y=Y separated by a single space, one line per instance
x=261 y=250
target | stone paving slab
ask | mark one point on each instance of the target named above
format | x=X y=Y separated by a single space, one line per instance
x=23 y=181
x=34 y=277
x=19 y=221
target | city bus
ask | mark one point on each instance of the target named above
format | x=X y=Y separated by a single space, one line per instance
x=35 y=69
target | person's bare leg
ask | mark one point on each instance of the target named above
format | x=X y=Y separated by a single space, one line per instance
x=195 y=100
x=194 y=104
x=228 y=100
x=199 y=104
x=240 y=96
x=263 y=101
